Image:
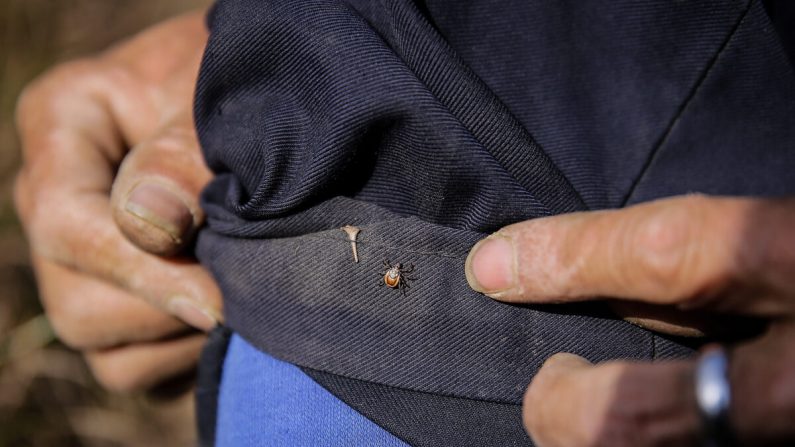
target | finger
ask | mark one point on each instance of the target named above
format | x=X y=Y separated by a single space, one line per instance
x=70 y=222
x=144 y=365
x=90 y=314
x=763 y=388
x=74 y=137
x=155 y=196
x=69 y=105
x=165 y=58
x=664 y=252
x=573 y=403
x=76 y=229
x=688 y=323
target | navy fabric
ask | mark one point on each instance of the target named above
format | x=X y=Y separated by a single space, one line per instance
x=736 y=133
x=427 y=419
x=596 y=84
x=431 y=124
x=304 y=300
x=208 y=382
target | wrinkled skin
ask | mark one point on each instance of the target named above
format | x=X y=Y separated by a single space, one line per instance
x=692 y=260
x=108 y=197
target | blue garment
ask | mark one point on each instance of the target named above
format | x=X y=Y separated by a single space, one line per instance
x=429 y=124
x=265 y=401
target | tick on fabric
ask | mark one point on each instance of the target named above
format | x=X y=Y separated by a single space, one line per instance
x=396 y=276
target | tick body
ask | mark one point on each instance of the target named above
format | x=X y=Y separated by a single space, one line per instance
x=396 y=276
x=392 y=277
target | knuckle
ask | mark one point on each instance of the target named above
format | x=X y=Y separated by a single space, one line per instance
x=26 y=103
x=74 y=323
x=66 y=74
x=173 y=139
x=173 y=156
x=115 y=374
x=20 y=196
x=49 y=86
x=44 y=231
x=71 y=239
x=70 y=334
x=32 y=98
x=663 y=244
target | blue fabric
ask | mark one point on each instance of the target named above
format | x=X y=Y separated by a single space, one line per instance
x=265 y=401
x=431 y=123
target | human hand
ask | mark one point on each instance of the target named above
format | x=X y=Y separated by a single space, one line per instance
x=693 y=253
x=110 y=151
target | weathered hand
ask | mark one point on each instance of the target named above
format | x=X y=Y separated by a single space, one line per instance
x=110 y=151
x=694 y=253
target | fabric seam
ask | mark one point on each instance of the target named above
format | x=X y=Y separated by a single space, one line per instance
x=676 y=118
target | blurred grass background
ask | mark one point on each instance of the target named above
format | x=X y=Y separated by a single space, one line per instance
x=47 y=395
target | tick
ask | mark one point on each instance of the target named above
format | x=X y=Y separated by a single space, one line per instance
x=396 y=276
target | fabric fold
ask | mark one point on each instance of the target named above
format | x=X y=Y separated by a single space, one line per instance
x=303 y=299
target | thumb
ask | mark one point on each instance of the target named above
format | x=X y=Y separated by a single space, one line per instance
x=155 y=196
x=571 y=402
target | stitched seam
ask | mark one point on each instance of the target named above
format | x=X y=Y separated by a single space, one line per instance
x=457 y=115
x=693 y=91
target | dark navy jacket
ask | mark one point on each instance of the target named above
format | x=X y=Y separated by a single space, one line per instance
x=430 y=124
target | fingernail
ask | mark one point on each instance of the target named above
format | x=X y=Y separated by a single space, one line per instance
x=490 y=265
x=566 y=361
x=161 y=208
x=191 y=313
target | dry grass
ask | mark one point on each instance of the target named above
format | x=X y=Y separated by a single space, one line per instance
x=47 y=395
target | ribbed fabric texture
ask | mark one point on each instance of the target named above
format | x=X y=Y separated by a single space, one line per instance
x=429 y=125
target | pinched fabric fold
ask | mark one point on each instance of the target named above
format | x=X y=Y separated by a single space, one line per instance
x=409 y=122
x=304 y=300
